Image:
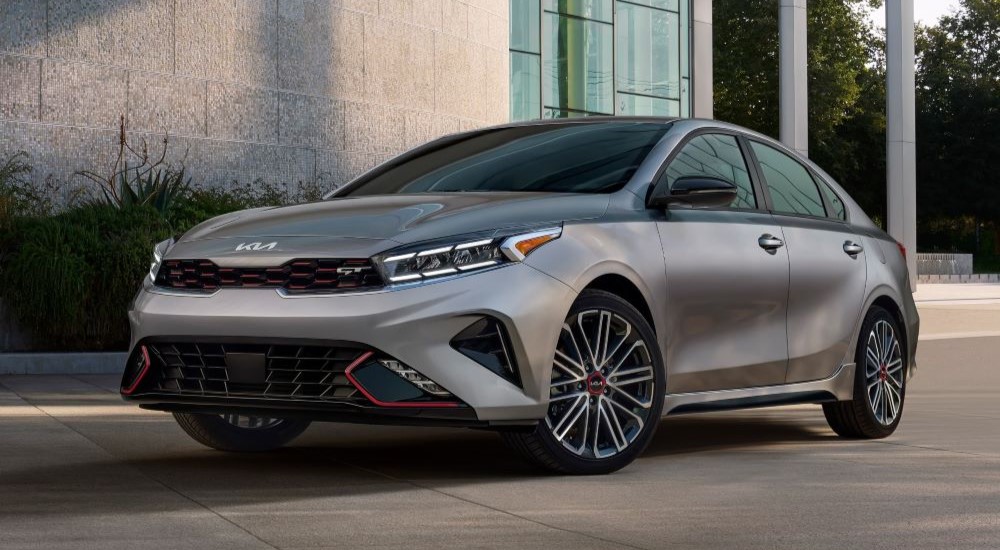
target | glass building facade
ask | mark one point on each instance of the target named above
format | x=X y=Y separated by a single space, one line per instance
x=572 y=58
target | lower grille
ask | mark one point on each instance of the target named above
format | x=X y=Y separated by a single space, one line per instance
x=289 y=371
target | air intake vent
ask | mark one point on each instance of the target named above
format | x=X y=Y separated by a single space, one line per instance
x=486 y=343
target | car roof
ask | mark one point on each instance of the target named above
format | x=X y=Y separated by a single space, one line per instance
x=585 y=120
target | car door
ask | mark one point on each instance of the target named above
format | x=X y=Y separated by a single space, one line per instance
x=827 y=264
x=727 y=277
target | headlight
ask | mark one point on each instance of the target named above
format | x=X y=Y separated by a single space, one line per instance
x=442 y=259
x=159 y=251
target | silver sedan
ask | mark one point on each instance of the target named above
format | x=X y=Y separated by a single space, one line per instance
x=565 y=283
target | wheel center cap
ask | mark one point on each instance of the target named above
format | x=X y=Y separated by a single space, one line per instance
x=883 y=372
x=595 y=384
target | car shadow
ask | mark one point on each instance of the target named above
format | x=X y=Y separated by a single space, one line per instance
x=705 y=433
x=340 y=462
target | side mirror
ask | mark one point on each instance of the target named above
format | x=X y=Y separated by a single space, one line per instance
x=697 y=192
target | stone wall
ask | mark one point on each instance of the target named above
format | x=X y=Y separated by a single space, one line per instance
x=282 y=90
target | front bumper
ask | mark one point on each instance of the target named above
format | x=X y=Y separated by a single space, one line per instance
x=414 y=325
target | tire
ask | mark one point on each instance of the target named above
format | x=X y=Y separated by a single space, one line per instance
x=866 y=416
x=626 y=407
x=222 y=432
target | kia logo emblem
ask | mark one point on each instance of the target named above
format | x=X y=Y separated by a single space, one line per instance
x=255 y=247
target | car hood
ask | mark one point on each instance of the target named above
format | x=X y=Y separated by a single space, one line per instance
x=361 y=226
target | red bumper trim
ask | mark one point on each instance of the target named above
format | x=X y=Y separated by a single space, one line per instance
x=142 y=373
x=405 y=404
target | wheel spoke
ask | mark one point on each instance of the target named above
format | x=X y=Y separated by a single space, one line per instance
x=610 y=355
x=895 y=365
x=576 y=347
x=623 y=409
x=568 y=419
x=894 y=400
x=560 y=362
x=877 y=401
x=875 y=346
x=565 y=396
x=614 y=427
x=587 y=343
x=885 y=401
x=619 y=392
x=633 y=375
x=635 y=346
x=872 y=362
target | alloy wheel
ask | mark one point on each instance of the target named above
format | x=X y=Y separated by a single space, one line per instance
x=602 y=385
x=884 y=373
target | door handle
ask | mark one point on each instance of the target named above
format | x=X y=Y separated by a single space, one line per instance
x=770 y=242
x=853 y=249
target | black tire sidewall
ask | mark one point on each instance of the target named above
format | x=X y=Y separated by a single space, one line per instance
x=570 y=462
x=214 y=431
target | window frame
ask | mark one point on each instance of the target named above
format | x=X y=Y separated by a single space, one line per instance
x=763 y=202
x=827 y=207
x=831 y=213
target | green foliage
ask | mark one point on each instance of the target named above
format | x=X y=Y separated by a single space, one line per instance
x=958 y=117
x=846 y=85
x=17 y=198
x=70 y=277
x=136 y=179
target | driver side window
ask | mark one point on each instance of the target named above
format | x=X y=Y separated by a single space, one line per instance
x=715 y=156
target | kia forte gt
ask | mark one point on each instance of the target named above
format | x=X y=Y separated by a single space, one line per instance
x=564 y=283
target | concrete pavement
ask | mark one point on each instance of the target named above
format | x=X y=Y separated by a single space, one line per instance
x=80 y=469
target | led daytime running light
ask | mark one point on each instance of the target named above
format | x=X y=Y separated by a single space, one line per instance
x=442 y=260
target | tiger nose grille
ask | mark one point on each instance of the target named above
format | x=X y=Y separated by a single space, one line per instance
x=290 y=372
x=302 y=275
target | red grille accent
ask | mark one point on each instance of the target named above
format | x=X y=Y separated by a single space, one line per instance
x=295 y=276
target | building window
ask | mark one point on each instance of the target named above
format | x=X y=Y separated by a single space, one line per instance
x=578 y=63
x=525 y=60
x=574 y=58
x=647 y=59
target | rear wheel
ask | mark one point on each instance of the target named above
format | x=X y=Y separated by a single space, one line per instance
x=879 y=382
x=605 y=394
x=240 y=433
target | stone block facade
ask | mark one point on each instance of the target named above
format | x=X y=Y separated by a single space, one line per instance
x=284 y=91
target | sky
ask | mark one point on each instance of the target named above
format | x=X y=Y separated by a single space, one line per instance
x=924 y=11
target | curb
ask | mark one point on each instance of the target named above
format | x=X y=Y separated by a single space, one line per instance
x=63 y=363
x=959 y=279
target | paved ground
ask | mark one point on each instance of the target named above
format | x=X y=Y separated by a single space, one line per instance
x=79 y=469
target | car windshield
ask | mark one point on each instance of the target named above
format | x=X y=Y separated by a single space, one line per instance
x=597 y=157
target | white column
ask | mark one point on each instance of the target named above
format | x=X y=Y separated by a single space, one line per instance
x=701 y=59
x=901 y=155
x=793 y=103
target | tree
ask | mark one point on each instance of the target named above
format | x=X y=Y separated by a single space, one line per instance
x=846 y=85
x=958 y=122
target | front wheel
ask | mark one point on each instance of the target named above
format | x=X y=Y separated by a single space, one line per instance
x=605 y=393
x=879 y=382
x=240 y=433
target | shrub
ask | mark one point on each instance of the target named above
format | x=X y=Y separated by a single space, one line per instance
x=17 y=198
x=138 y=179
x=69 y=278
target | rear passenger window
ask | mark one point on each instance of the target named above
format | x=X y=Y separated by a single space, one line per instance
x=792 y=189
x=836 y=204
x=715 y=156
